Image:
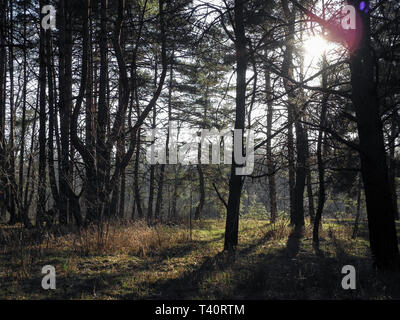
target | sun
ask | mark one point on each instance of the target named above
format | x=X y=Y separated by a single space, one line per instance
x=314 y=48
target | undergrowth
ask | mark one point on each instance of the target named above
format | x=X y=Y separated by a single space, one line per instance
x=125 y=260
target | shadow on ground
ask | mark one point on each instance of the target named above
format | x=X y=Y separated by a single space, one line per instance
x=291 y=272
x=266 y=268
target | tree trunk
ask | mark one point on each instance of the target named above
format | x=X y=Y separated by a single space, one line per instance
x=378 y=194
x=21 y=210
x=41 y=203
x=392 y=164
x=138 y=201
x=12 y=189
x=270 y=160
x=236 y=181
x=199 y=208
x=287 y=71
x=301 y=146
x=158 y=210
x=65 y=107
x=91 y=192
x=152 y=166
x=103 y=165
x=320 y=158
x=52 y=123
x=174 y=212
x=3 y=80
x=358 y=213
x=311 y=208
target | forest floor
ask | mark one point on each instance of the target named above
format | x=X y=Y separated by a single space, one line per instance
x=132 y=261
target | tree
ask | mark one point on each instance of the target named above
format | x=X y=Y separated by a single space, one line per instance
x=236 y=181
x=378 y=194
x=41 y=203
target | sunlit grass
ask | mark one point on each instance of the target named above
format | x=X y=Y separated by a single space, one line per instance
x=138 y=262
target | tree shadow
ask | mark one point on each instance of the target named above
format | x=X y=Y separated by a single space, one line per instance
x=293 y=243
x=253 y=246
x=274 y=272
x=189 y=285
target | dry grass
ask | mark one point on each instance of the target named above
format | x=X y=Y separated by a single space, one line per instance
x=122 y=238
x=109 y=238
x=26 y=249
x=133 y=261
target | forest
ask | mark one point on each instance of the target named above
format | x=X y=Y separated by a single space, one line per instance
x=199 y=149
